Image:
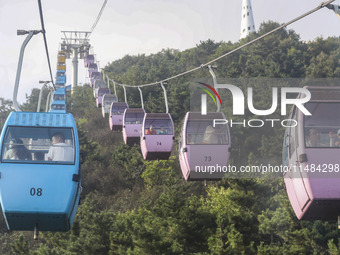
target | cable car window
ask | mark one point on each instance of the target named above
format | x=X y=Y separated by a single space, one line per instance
x=93 y=66
x=292 y=134
x=57 y=107
x=118 y=110
x=59 y=97
x=203 y=132
x=89 y=57
x=102 y=92
x=107 y=103
x=99 y=84
x=292 y=140
x=134 y=118
x=95 y=75
x=158 y=127
x=37 y=145
x=321 y=128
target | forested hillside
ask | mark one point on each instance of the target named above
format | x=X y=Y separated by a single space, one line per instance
x=132 y=206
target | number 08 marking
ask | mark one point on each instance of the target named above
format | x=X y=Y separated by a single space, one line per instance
x=36 y=192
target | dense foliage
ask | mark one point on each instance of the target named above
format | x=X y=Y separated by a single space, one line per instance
x=130 y=206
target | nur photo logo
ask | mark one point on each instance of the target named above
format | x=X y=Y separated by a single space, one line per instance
x=204 y=97
x=244 y=98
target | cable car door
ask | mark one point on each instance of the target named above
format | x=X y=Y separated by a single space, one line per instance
x=294 y=182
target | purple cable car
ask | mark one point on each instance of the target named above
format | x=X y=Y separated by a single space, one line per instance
x=116 y=117
x=157 y=137
x=132 y=125
x=95 y=76
x=100 y=94
x=107 y=100
x=311 y=153
x=89 y=59
x=204 y=149
x=92 y=68
x=98 y=84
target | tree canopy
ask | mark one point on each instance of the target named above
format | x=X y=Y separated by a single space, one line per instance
x=131 y=206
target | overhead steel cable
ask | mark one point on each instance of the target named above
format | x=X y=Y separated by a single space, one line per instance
x=45 y=41
x=322 y=5
x=97 y=19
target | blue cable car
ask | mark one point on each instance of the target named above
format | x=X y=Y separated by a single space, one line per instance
x=39 y=178
x=60 y=78
x=58 y=106
x=59 y=94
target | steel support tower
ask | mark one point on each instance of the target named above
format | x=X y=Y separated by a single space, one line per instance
x=75 y=43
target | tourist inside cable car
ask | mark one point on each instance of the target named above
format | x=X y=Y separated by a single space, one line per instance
x=50 y=145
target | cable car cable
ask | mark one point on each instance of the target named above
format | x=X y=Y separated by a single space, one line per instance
x=322 y=5
x=97 y=19
x=45 y=41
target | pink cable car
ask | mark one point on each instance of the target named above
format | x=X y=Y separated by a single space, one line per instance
x=101 y=92
x=157 y=137
x=92 y=68
x=132 y=125
x=311 y=153
x=89 y=59
x=107 y=101
x=95 y=75
x=98 y=84
x=116 y=115
x=204 y=149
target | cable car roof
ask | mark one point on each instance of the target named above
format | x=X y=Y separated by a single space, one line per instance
x=324 y=94
x=109 y=97
x=119 y=104
x=208 y=116
x=157 y=116
x=37 y=119
x=134 y=110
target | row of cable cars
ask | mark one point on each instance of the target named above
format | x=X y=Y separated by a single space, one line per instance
x=61 y=69
x=58 y=99
x=201 y=144
x=310 y=151
x=154 y=131
x=99 y=85
x=312 y=182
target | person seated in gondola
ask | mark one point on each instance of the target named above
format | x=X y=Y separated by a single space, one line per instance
x=334 y=138
x=150 y=131
x=17 y=151
x=211 y=136
x=163 y=131
x=60 y=151
x=313 y=138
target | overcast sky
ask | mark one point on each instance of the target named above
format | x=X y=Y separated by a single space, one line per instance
x=131 y=27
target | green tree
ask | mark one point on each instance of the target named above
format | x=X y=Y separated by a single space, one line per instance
x=20 y=246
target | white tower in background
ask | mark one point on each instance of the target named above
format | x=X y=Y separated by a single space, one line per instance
x=247 y=23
